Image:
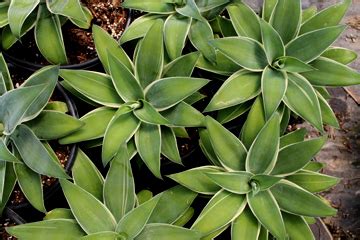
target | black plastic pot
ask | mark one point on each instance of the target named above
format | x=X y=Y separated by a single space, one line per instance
x=71 y=159
x=32 y=67
x=13 y=216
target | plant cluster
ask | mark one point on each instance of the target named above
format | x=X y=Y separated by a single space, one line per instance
x=274 y=66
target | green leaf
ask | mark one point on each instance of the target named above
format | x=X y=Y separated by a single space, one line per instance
x=238 y=88
x=148 y=114
x=285 y=119
x=119 y=186
x=57 y=106
x=161 y=6
x=143 y=196
x=293 y=199
x=167 y=92
x=296 y=227
x=31 y=186
x=165 y=231
x=254 y=123
x=225 y=26
x=196 y=179
x=185 y=218
x=287 y=25
x=5 y=74
x=34 y=154
x=327 y=113
x=19 y=11
x=98 y=87
x=314 y=166
x=273 y=44
x=190 y=9
x=150 y=56
x=86 y=22
x=121 y=128
x=8 y=185
x=6 y=155
x=328 y=17
x=309 y=46
x=49 y=229
x=95 y=126
x=4 y=6
x=59 y=213
x=134 y=222
x=173 y=203
x=340 y=55
x=87 y=209
x=246 y=52
x=313 y=182
x=139 y=27
x=169 y=147
x=267 y=212
x=101 y=236
x=182 y=66
x=223 y=66
x=125 y=83
x=291 y=64
x=304 y=152
x=200 y=34
x=48 y=36
x=293 y=137
x=264 y=150
x=105 y=43
x=244 y=20
x=245 y=226
x=13 y=112
x=184 y=115
x=87 y=176
x=207 y=148
x=301 y=98
x=70 y=9
x=228 y=204
x=262 y=182
x=268 y=8
x=273 y=86
x=228 y=148
x=308 y=13
x=231 y=113
x=51 y=125
x=235 y=182
x=148 y=144
x=331 y=73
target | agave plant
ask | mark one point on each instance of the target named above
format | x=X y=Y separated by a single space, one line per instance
x=282 y=62
x=269 y=189
x=45 y=17
x=108 y=209
x=27 y=120
x=142 y=102
x=181 y=20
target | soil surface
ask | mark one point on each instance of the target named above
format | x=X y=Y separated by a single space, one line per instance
x=79 y=43
x=3 y=224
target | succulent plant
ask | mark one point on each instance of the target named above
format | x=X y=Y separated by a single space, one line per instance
x=141 y=101
x=182 y=19
x=46 y=18
x=283 y=63
x=268 y=189
x=26 y=124
x=105 y=208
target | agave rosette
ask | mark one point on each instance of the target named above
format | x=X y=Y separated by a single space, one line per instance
x=142 y=101
x=183 y=19
x=27 y=121
x=109 y=208
x=17 y=17
x=284 y=61
x=269 y=189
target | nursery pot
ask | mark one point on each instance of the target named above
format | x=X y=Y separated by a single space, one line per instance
x=32 y=67
x=51 y=190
